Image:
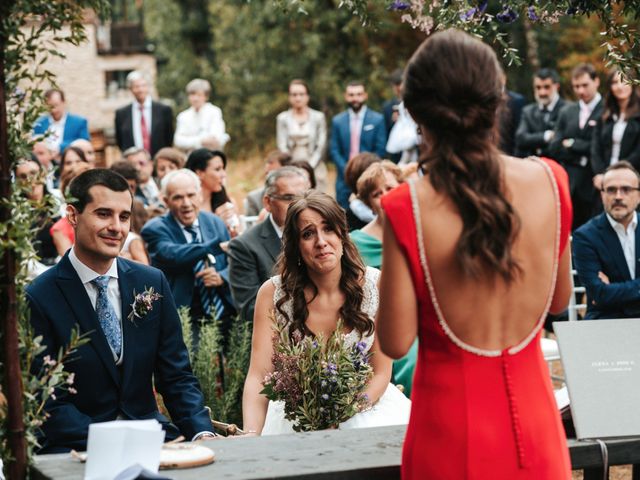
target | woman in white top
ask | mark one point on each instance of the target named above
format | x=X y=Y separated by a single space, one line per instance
x=201 y=125
x=617 y=134
x=302 y=132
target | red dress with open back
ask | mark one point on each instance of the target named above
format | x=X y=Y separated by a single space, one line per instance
x=478 y=414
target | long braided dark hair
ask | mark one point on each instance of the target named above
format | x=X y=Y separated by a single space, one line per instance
x=453 y=88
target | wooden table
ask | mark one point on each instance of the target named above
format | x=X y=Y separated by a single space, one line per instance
x=372 y=453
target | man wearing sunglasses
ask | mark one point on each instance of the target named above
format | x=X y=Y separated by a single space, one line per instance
x=606 y=249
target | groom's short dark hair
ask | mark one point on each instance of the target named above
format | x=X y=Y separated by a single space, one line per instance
x=80 y=186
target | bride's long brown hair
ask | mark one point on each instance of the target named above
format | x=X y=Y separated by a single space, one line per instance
x=453 y=88
x=295 y=276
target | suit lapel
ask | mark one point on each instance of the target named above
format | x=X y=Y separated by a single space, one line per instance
x=272 y=242
x=612 y=242
x=176 y=229
x=128 y=327
x=77 y=298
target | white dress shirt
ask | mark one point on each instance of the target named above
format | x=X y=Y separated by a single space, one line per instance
x=87 y=275
x=616 y=138
x=358 y=117
x=137 y=131
x=55 y=132
x=193 y=126
x=627 y=239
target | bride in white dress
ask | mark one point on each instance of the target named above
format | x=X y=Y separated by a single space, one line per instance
x=322 y=279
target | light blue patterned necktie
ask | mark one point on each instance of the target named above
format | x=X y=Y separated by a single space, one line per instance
x=107 y=315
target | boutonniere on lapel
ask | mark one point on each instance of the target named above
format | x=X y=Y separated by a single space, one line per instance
x=142 y=303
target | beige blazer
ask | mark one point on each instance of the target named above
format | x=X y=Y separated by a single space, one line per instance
x=317 y=137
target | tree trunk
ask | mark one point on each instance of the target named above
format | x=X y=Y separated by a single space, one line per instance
x=17 y=468
x=531 y=37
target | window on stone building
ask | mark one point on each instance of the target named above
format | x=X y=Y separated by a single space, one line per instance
x=116 y=83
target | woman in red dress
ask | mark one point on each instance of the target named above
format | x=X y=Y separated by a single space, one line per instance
x=475 y=255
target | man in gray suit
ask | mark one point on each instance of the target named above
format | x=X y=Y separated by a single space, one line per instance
x=253 y=254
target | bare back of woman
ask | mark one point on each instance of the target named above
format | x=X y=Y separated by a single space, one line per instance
x=485 y=312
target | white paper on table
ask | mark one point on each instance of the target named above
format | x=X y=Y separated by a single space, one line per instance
x=114 y=446
x=562 y=397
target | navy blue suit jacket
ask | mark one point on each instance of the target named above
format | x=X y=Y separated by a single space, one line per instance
x=170 y=252
x=596 y=248
x=75 y=127
x=153 y=349
x=373 y=138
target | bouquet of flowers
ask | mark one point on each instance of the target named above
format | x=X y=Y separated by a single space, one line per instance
x=321 y=381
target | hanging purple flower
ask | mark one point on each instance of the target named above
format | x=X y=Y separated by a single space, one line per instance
x=531 y=13
x=507 y=15
x=468 y=15
x=398 y=5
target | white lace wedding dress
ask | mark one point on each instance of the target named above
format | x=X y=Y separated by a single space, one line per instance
x=391 y=409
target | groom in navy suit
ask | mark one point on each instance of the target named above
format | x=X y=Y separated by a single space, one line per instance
x=606 y=248
x=115 y=373
x=356 y=130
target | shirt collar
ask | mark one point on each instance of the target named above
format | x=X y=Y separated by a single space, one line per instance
x=275 y=227
x=361 y=113
x=552 y=103
x=62 y=120
x=195 y=224
x=618 y=226
x=85 y=273
x=145 y=104
x=592 y=104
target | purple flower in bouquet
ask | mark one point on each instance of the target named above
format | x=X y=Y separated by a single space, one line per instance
x=142 y=303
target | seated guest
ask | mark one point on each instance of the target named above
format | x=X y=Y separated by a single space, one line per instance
x=87 y=148
x=377 y=180
x=62 y=232
x=201 y=125
x=604 y=249
x=311 y=175
x=185 y=244
x=253 y=254
x=60 y=127
x=275 y=160
x=133 y=247
x=147 y=191
x=210 y=167
x=358 y=214
x=125 y=361
x=167 y=160
x=71 y=157
x=47 y=154
x=30 y=177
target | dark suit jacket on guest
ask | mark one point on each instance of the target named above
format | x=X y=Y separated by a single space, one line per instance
x=75 y=127
x=596 y=248
x=583 y=194
x=509 y=120
x=153 y=354
x=530 y=133
x=161 y=127
x=602 y=142
x=252 y=257
x=373 y=138
x=170 y=252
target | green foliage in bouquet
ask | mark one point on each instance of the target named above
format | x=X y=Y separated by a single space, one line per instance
x=322 y=382
x=221 y=376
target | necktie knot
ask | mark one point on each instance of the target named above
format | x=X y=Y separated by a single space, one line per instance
x=101 y=282
x=193 y=232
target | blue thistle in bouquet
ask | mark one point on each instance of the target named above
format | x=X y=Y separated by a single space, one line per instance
x=322 y=382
